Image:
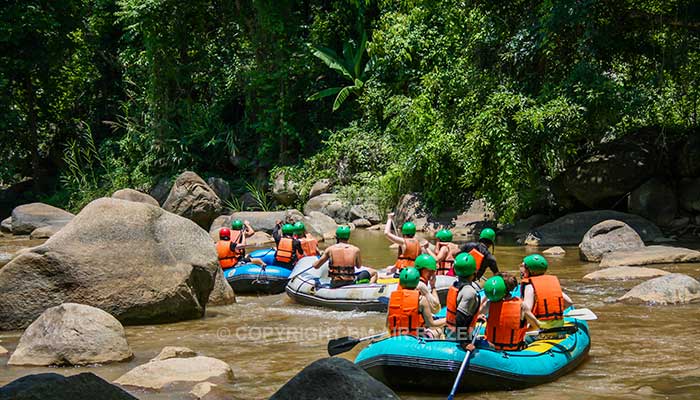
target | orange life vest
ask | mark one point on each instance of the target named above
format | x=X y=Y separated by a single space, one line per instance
x=478 y=257
x=227 y=258
x=409 y=254
x=342 y=262
x=404 y=312
x=309 y=245
x=504 y=328
x=445 y=265
x=451 y=316
x=549 y=299
x=285 y=251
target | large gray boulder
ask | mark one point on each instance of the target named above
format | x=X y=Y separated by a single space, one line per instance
x=570 y=229
x=138 y=262
x=349 y=382
x=668 y=289
x=608 y=236
x=259 y=220
x=220 y=187
x=192 y=198
x=6 y=225
x=27 y=217
x=5 y=258
x=135 y=195
x=45 y=232
x=320 y=225
x=320 y=187
x=624 y=273
x=689 y=190
x=72 y=334
x=650 y=255
x=85 y=386
x=222 y=294
x=411 y=207
x=157 y=374
x=284 y=190
x=654 y=200
x=161 y=190
x=367 y=211
x=329 y=204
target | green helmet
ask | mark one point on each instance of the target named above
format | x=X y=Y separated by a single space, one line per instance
x=488 y=234
x=495 y=288
x=342 y=232
x=465 y=264
x=426 y=261
x=408 y=228
x=444 y=235
x=236 y=224
x=287 y=229
x=409 y=278
x=536 y=263
x=299 y=227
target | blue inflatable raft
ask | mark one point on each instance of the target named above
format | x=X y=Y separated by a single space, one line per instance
x=251 y=278
x=410 y=363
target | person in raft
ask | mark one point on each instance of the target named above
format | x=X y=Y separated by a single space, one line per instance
x=426 y=266
x=344 y=262
x=508 y=317
x=444 y=252
x=409 y=246
x=463 y=300
x=231 y=245
x=542 y=293
x=288 y=248
x=409 y=311
x=309 y=245
x=480 y=251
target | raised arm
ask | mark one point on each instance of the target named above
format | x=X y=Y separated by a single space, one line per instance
x=249 y=231
x=387 y=231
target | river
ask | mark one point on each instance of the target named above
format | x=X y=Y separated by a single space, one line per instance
x=637 y=352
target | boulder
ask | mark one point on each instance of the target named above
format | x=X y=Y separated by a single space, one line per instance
x=161 y=190
x=477 y=213
x=350 y=382
x=689 y=190
x=320 y=225
x=320 y=187
x=260 y=238
x=6 y=225
x=248 y=201
x=377 y=227
x=210 y=391
x=222 y=294
x=72 y=334
x=27 y=217
x=412 y=208
x=654 y=200
x=45 y=232
x=687 y=159
x=192 y=198
x=649 y=255
x=367 y=211
x=570 y=229
x=361 y=223
x=85 y=386
x=220 y=187
x=554 y=251
x=5 y=258
x=625 y=273
x=169 y=352
x=607 y=236
x=140 y=263
x=135 y=195
x=329 y=204
x=157 y=374
x=667 y=289
x=284 y=190
x=678 y=224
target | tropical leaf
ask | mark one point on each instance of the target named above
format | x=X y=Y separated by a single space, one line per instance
x=324 y=93
x=342 y=95
x=331 y=59
x=357 y=61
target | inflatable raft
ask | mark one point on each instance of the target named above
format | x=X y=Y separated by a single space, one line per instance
x=312 y=287
x=410 y=363
x=251 y=278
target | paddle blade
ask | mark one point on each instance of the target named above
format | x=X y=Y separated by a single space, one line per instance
x=341 y=345
x=584 y=314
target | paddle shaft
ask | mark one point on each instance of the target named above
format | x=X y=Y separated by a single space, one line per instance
x=451 y=396
x=347 y=344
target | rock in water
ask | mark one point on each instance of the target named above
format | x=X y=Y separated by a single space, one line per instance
x=134 y=195
x=139 y=263
x=624 y=273
x=85 y=386
x=554 y=251
x=333 y=378
x=649 y=255
x=169 y=352
x=192 y=198
x=668 y=289
x=157 y=374
x=27 y=217
x=72 y=334
x=608 y=236
x=222 y=294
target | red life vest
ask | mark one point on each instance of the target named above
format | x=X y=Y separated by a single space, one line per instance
x=285 y=253
x=342 y=262
x=504 y=328
x=409 y=254
x=404 y=312
x=549 y=299
x=309 y=246
x=444 y=267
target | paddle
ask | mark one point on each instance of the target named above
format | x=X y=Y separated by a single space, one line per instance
x=565 y=329
x=341 y=345
x=300 y=273
x=451 y=396
x=583 y=314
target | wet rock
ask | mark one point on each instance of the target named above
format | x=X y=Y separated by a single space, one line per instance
x=166 y=277
x=135 y=195
x=668 y=289
x=329 y=204
x=654 y=200
x=320 y=187
x=27 y=217
x=607 y=236
x=361 y=223
x=689 y=190
x=192 y=198
x=5 y=258
x=222 y=293
x=85 y=386
x=319 y=224
x=377 y=227
x=625 y=273
x=6 y=225
x=570 y=229
x=45 y=232
x=158 y=374
x=369 y=212
x=72 y=334
x=169 y=352
x=554 y=251
x=649 y=255
x=284 y=189
x=220 y=187
x=350 y=382
x=259 y=239
x=161 y=190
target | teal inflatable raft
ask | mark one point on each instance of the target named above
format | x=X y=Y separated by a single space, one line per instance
x=410 y=363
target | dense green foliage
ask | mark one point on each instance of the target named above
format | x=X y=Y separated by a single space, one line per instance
x=459 y=99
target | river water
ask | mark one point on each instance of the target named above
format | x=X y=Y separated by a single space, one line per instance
x=637 y=351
